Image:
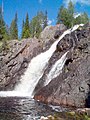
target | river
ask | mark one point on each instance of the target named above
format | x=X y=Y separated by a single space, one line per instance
x=16 y=108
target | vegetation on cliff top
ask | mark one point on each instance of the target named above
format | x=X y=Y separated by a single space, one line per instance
x=68 y=18
x=34 y=27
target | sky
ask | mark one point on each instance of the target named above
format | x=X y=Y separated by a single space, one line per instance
x=33 y=6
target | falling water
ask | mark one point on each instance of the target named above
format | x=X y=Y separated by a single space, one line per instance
x=36 y=69
x=56 y=69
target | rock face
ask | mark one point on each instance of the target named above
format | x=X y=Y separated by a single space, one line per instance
x=51 y=32
x=14 y=62
x=72 y=86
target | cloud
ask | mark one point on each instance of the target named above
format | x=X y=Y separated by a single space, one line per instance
x=40 y=1
x=50 y=21
x=86 y=2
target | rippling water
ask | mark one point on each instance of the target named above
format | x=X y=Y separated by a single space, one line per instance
x=13 y=108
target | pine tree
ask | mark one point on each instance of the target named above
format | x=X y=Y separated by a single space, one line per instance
x=2 y=26
x=59 y=16
x=14 y=28
x=26 y=28
x=36 y=25
x=23 y=24
x=45 y=20
x=70 y=14
x=83 y=18
x=66 y=16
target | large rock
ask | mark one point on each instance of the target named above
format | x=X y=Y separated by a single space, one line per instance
x=14 y=62
x=50 y=32
x=72 y=86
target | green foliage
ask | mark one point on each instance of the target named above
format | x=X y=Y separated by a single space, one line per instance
x=83 y=18
x=4 y=33
x=60 y=17
x=26 y=28
x=45 y=19
x=37 y=24
x=14 y=28
x=66 y=16
x=70 y=116
x=2 y=26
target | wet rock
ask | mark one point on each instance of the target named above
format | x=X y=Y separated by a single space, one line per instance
x=50 y=32
x=16 y=60
x=72 y=86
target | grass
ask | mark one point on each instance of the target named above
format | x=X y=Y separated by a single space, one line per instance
x=70 y=116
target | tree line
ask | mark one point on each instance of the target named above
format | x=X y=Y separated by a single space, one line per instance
x=68 y=18
x=34 y=27
x=29 y=29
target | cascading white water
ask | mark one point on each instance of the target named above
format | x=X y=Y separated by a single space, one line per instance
x=35 y=70
x=56 y=69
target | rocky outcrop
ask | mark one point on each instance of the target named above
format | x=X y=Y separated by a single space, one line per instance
x=14 y=62
x=72 y=86
x=51 y=32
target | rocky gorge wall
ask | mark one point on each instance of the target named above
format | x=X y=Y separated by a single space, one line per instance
x=72 y=86
x=14 y=62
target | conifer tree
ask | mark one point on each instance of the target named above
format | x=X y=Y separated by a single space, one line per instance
x=70 y=14
x=45 y=20
x=59 y=16
x=14 y=28
x=66 y=16
x=2 y=26
x=26 y=28
x=23 y=24
x=83 y=18
x=36 y=25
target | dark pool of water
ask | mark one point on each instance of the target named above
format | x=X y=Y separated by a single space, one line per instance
x=24 y=109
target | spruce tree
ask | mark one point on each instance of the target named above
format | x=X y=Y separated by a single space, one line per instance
x=45 y=20
x=66 y=16
x=36 y=25
x=14 y=28
x=22 y=34
x=26 y=28
x=70 y=14
x=59 y=16
x=85 y=18
x=2 y=26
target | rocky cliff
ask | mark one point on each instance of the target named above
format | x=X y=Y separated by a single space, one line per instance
x=72 y=86
x=14 y=62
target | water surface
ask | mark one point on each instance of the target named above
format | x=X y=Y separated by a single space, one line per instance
x=16 y=108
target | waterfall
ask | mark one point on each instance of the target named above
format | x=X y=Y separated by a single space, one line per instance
x=36 y=69
x=56 y=69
